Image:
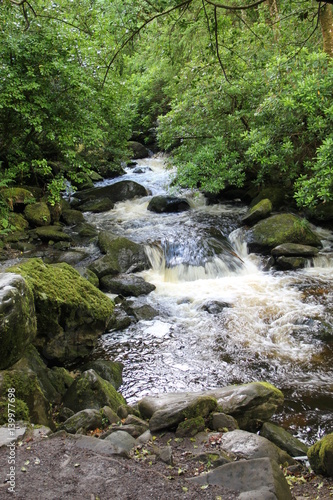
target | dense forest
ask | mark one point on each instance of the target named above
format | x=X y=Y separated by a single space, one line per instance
x=234 y=92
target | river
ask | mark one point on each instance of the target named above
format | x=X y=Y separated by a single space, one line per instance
x=222 y=318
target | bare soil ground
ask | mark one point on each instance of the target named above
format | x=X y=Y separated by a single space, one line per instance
x=57 y=469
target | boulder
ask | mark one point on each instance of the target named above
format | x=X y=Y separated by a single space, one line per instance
x=18 y=324
x=279 y=229
x=128 y=285
x=38 y=214
x=89 y=390
x=52 y=233
x=249 y=445
x=88 y=275
x=121 y=441
x=18 y=221
x=72 y=217
x=17 y=198
x=321 y=456
x=71 y=312
x=96 y=206
x=123 y=256
x=258 y=479
x=283 y=439
x=138 y=150
x=108 y=370
x=84 y=420
x=290 y=263
x=294 y=249
x=259 y=211
x=250 y=404
x=118 y=191
x=275 y=195
x=167 y=204
x=190 y=427
x=222 y=422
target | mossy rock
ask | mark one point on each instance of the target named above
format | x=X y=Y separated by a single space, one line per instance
x=259 y=211
x=71 y=312
x=88 y=275
x=21 y=411
x=72 y=217
x=320 y=456
x=92 y=391
x=275 y=195
x=38 y=214
x=16 y=196
x=138 y=150
x=323 y=212
x=18 y=322
x=108 y=370
x=190 y=427
x=279 y=229
x=97 y=206
x=84 y=420
x=52 y=233
x=18 y=221
x=283 y=439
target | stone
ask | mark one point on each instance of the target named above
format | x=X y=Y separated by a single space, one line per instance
x=18 y=324
x=256 y=479
x=88 y=275
x=108 y=370
x=52 y=233
x=138 y=150
x=167 y=204
x=89 y=390
x=110 y=415
x=144 y=312
x=248 y=445
x=16 y=197
x=190 y=427
x=38 y=214
x=71 y=217
x=123 y=256
x=289 y=263
x=128 y=285
x=96 y=206
x=118 y=191
x=294 y=249
x=121 y=441
x=165 y=454
x=279 y=229
x=275 y=195
x=221 y=421
x=259 y=211
x=71 y=312
x=121 y=446
x=85 y=419
x=283 y=439
x=320 y=456
x=250 y=404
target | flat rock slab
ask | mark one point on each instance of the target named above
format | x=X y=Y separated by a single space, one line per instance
x=103 y=446
x=259 y=478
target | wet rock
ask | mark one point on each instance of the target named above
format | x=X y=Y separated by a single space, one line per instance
x=84 y=419
x=215 y=306
x=88 y=275
x=283 y=439
x=259 y=211
x=96 y=206
x=52 y=233
x=91 y=391
x=138 y=150
x=118 y=191
x=279 y=229
x=289 y=263
x=127 y=285
x=71 y=312
x=294 y=249
x=190 y=427
x=38 y=214
x=86 y=230
x=321 y=456
x=144 y=312
x=110 y=415
x=72 y=217
x=258 y=479
x=123 y=256
x=18 y=324
x=275 y=195
x=120 y=319
x=108 y=370
x=168 y=204
x=248 y=445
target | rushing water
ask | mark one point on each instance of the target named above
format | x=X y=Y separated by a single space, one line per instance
x=222 y=319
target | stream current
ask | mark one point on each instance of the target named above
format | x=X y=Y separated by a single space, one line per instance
x=222 y=319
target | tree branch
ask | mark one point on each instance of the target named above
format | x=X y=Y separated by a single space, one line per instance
x=217 y=45
x=130 y=38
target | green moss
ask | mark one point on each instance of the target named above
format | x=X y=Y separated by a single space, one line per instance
x=191 y=427
x=202 y=406
x=21 y=411
x=17 y=195
x=321 y=456
x=62 y=284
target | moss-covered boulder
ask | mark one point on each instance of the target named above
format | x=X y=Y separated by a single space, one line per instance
x=52 y=233
x=259 y=211
x=127 y=285
x=92 y=391
x=320 y=456
x=275 y=195
x=283 y=439
x=190 y=427
x=18 y=324
x=88 y=275
x=21 y=410
x=17 y=197
x=18 y=221
x=38 y=214
x=118 y=191
x=123 y=255
x=323 y=212
x=72 y=217
x=279 y=229
x=138 y=150
x=108 y=370
x=71 y=312
x=96 y=206
x=83 y=421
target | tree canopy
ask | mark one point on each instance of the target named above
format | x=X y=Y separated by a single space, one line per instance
x=236 y=91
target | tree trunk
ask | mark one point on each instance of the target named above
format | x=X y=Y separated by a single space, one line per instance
x=274 y=17
x=326 y=23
